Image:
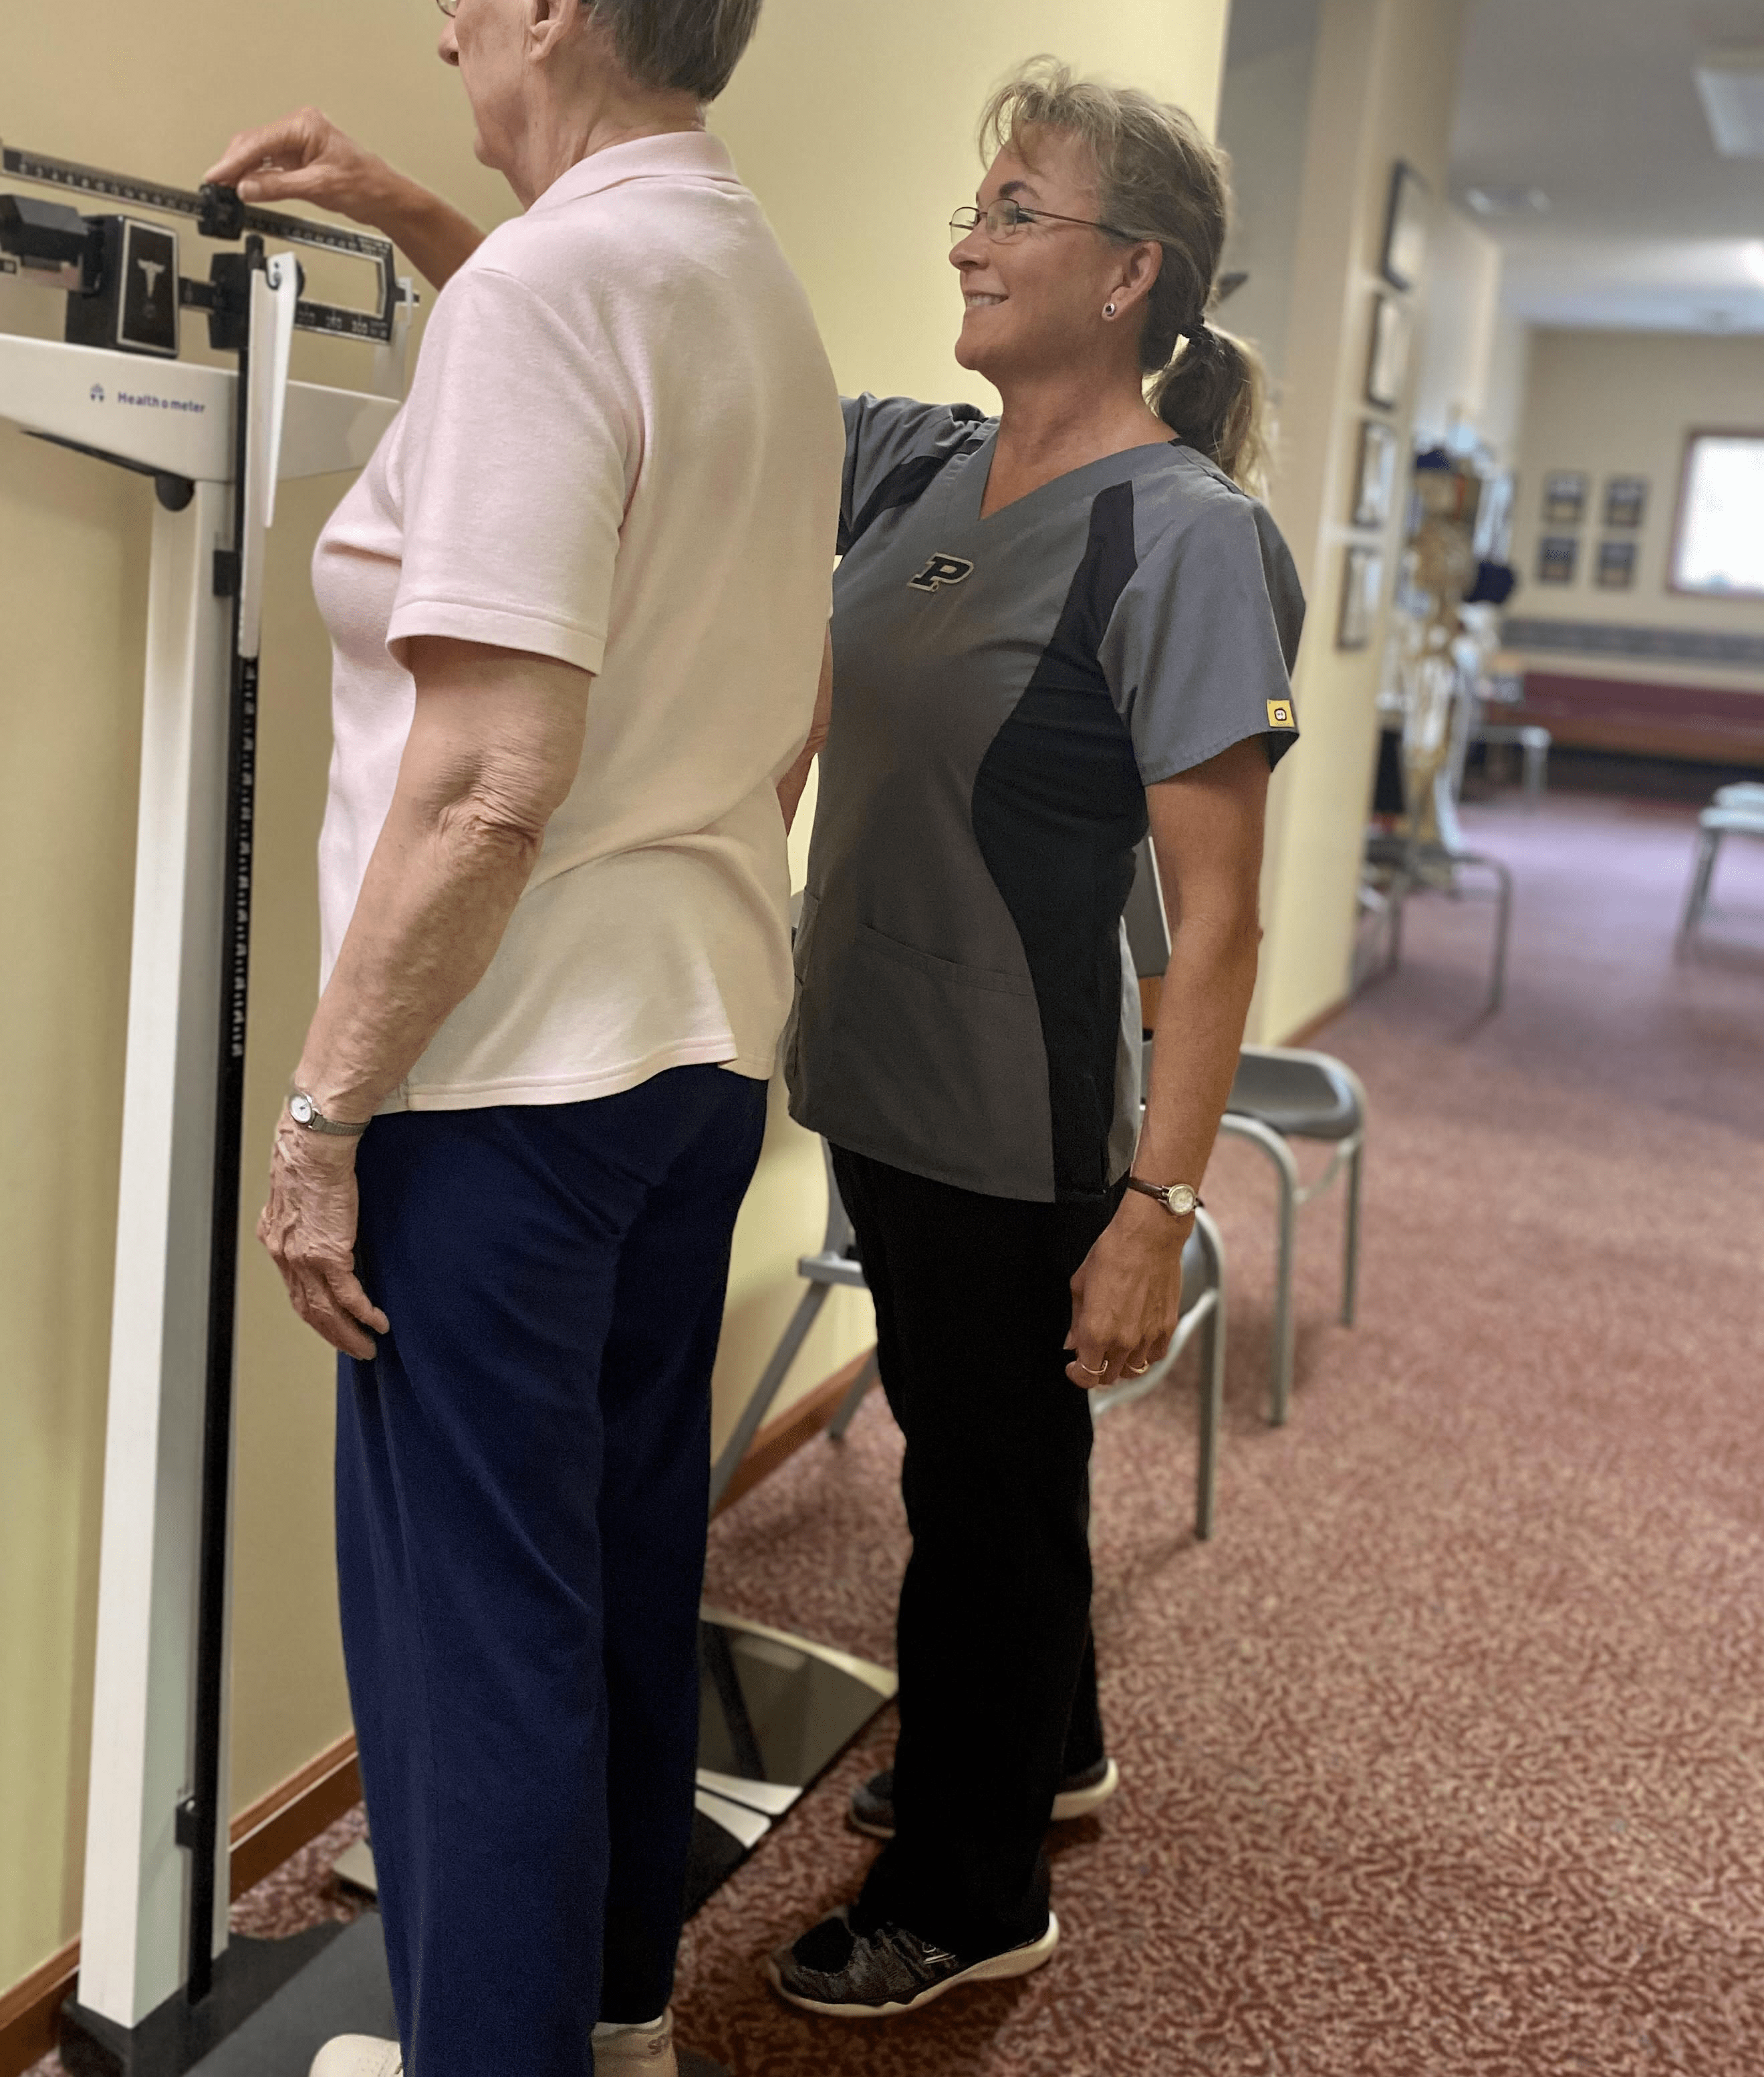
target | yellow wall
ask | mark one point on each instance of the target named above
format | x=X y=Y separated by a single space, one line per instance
x=860 y=141
x=1384 y=77
x=1620 y=403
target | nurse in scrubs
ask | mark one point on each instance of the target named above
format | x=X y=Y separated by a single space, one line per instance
x=1052 y=629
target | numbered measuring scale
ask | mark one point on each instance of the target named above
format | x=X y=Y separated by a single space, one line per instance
x=158 y=1986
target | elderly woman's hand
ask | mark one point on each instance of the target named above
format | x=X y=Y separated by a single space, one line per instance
x=309 y=1227
x=304 y=157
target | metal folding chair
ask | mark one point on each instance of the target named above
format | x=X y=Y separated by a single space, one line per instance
x=1738 y=811
x=1286 y=1092
x=834 y=1263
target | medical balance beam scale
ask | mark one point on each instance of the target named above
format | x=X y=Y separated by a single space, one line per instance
x=154 y=1989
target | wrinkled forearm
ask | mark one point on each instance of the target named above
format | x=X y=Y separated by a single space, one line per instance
x=435 y=236
x=435 y=901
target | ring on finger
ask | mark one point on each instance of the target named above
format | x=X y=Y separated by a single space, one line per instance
x=1137 y=1370
x=1086 y=1368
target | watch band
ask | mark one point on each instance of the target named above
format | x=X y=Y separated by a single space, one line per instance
x=309 y=1118
x=1178 y=1199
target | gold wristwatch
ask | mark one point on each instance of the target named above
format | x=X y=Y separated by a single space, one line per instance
x=1180 y=1200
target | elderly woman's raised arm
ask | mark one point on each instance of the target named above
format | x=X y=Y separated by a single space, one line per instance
x=305 y=158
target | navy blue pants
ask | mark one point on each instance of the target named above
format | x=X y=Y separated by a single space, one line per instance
x=522 y=1476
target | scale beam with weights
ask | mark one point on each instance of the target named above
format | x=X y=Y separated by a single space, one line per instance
x=162 y=1991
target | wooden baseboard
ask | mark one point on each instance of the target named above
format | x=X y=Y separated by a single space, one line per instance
x=27 y=2011
x=780 y=1439
x=263 y=1834
x=267 y=1832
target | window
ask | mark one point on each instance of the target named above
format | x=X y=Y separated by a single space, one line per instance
x=1719 y=549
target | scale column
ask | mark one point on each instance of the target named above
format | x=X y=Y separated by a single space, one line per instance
x=133 y=1938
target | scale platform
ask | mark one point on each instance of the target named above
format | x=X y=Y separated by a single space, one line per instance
x=775 y=1711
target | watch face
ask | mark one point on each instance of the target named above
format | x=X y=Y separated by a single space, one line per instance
x=300 y=1109
x=1183 y=1200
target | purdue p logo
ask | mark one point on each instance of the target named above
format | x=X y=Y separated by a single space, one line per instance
x=941 y=570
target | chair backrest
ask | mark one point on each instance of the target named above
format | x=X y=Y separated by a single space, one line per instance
x=1148 y=930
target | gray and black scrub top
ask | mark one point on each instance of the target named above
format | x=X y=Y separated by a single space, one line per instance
x=1005 y=690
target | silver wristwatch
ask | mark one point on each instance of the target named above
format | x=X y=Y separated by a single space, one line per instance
x=309 y=1118
x=1180 y=1200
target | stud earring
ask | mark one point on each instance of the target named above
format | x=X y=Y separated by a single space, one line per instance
x=1108 y=310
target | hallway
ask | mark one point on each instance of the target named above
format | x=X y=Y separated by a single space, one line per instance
x=1446 y=1755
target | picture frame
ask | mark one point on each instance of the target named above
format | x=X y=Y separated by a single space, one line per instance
x=1408 y=227
x=1625 y=501
x=1363 y=591
x=1375 y=484
x=1387 y=368
x=1565 y=493
x=1615 y=568
x=1558 y=558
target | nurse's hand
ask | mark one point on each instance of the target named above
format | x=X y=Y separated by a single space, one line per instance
x=309 y=1227
x=1127 y=1295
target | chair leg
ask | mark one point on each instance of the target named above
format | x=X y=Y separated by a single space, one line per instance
x=767 y=1390
x=1286 y=1169
x=1351 y=1251
x=853 y=1400
x=1211 y=1411
x=1503 y=919
x=1701 y=874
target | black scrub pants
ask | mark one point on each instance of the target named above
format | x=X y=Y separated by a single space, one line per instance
x=998 y=1674
x=522 y=1481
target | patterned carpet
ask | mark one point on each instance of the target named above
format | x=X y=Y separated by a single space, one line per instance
x=1445 y=1757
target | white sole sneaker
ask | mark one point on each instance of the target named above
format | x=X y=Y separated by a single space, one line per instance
x=358 y=2055
x=1080 y=1802
x=1022 y=1961
x=642 y=2051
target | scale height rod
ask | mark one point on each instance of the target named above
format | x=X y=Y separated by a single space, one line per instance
x=223 y=1250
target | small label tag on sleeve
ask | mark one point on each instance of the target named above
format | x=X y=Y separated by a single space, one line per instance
x=1280 y=715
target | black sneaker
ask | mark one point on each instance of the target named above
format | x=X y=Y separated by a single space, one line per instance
x=879 y=1975
x=872 y=1804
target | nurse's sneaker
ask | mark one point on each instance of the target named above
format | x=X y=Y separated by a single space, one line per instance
x=888 y=1971
x=872 y=1804
x=358 y=2055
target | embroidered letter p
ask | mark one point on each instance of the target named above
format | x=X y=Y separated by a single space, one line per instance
x=942 y=570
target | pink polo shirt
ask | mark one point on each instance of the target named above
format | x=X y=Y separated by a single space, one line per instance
x=622 y=449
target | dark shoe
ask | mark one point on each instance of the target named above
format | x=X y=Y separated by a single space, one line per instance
x=879 y=1975
x=872 y=1804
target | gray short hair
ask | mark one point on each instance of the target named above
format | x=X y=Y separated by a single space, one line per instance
x=688 y=46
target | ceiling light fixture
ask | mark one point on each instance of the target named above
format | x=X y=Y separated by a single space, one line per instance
x=1732 y=85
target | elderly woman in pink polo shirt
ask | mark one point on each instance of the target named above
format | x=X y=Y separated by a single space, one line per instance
x=578 y=602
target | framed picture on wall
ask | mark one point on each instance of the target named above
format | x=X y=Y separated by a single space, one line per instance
x=1625 y=501
x=1558 y=556
x=1406 y=227
x=1616 y=565
x=1376 y=483
x=1362 y=586
x=1565 y=497
x=1387 y=369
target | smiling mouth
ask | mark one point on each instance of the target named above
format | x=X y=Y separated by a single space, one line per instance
x=981 y=302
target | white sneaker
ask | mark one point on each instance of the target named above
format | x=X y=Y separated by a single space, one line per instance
x=358 y=2055
x=642 y=2051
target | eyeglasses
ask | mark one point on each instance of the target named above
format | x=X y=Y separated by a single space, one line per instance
x=1005 y=219
x=449 y=8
